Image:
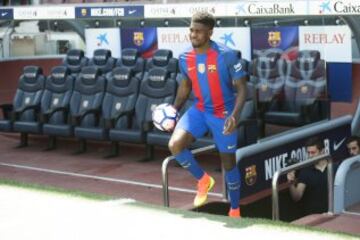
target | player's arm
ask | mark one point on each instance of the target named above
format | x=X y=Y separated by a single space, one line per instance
x=239 y=77
x=297 y=191
x=183 y=93
x=232 y=120
x=241 y=89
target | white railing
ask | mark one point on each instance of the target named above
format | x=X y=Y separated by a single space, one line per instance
x=297 y=166
x=165 y=177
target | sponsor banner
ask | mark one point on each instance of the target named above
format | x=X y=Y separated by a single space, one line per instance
x=284 y=40
x=103 y=38
x=109 y=11
x=143 y=39
x=331 y=7
x=263 y=8
x=183 y=10
x=6 y=13
x=257 y=170
x=177 y=39
x=340 y=78
x=333 y=42
x=238 y=38
x=50 y=12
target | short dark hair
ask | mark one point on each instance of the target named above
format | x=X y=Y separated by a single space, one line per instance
x=204 y=18
x=352 y=139
x=315 y=141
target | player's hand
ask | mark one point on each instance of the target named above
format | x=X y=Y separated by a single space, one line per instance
x=230 y=125
x=171 y=130
x=291 y=177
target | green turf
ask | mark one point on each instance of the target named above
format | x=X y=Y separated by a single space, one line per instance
x=245 y=221
x=229 y=222
x=43 y=188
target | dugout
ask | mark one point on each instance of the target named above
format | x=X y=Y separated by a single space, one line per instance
x=45 y=33
x=259 y=162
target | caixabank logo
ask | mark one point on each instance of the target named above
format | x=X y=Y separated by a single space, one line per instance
x=102 y=39
x=325 y=7
x=339 y=7
x=272 y=9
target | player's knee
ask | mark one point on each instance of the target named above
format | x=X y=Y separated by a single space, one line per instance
x=228 y=163
x=175 y=145
x=228 y=166
x=179 y=141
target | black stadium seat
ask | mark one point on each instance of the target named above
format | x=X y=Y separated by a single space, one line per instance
x=163 y=58
x=130 y=58
x=157 y=87
x=84 y=104
x=5 y=122
x=75 y=61
x=55 y=102
x=27 y=102
x=117 y=108
x=304 y=91
x=268 y=74
x=30 y=83
x=102 y=59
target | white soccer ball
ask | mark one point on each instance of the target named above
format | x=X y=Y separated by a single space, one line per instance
x=165 y=117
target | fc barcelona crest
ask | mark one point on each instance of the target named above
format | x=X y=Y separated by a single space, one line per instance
x=304 y=89
x=55 y=101
x=201 y=68
x=83 y=12
x=264 y=87
x=118 y=106
x=250 y=175
x=274 y=39
x=212 y=68
x=27 y=100
x=138 y=38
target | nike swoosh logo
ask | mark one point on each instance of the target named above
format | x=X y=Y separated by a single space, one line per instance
x=4 y=14
x=132 y=11
x=337 y=145
x=231 y=147
x=191 y=68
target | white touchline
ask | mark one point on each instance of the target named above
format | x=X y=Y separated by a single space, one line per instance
x=107 y=179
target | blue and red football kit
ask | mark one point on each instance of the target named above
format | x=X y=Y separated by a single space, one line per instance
x=212 y=75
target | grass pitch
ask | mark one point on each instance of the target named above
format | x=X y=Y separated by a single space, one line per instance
x=35 y=212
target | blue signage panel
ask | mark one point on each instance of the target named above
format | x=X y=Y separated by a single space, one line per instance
x=109 y=11
x=143 y=39
x=284 y=39
x=340 y=81
x=257 y=170
x=6 y=13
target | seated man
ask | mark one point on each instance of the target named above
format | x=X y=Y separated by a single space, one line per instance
x=353 y=145
x=310 y=187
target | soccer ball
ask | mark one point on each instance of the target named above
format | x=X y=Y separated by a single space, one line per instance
x=165 y=116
